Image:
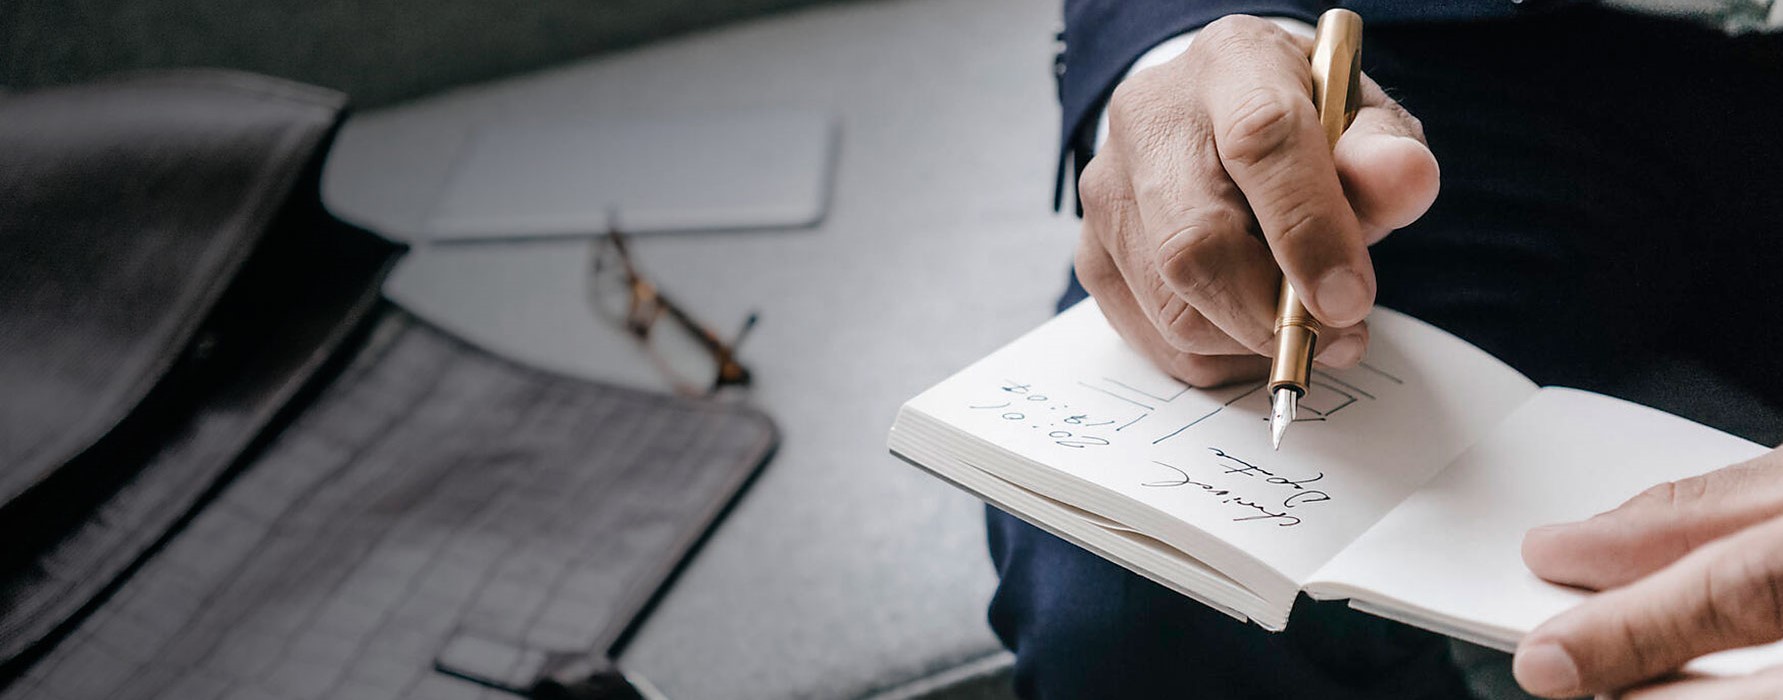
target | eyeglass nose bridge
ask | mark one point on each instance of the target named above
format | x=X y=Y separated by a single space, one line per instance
x=645 y=308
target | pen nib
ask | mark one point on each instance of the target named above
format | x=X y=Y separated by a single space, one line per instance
x=1286 y=400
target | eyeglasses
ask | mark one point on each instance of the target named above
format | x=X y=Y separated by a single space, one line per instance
x=687 y=352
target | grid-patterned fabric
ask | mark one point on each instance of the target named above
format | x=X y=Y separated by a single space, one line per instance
x=431 y=490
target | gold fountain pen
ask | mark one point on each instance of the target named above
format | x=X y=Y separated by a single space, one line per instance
x=1336 y=89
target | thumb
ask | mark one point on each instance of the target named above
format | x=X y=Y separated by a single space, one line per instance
x=1388 y=172
x=1657 y=526
x=1725 y=595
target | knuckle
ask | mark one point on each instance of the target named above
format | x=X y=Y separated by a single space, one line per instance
x=1263 y=124
x=1142 y=107
x=1092 y=267
x=1186 y=328
x=1101 y=185
x=1743 y=597
x=1124 y=102
x=1687 y=493
x=1222 y=33
x=1675 y=496
x=1662 y=494
x=1641 y=644
x=1189 y=259
x=1304 y=226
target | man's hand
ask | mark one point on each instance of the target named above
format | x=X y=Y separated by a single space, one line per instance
x=1688 y=568
x=1216 y=175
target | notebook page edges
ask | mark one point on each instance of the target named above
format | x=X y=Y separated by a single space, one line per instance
x=1086 y=421
x=1107 y=539
x=1450 y=556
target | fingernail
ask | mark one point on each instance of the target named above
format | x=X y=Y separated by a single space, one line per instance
x=1545 y=669
x=1343 y=352
x=1343 y=296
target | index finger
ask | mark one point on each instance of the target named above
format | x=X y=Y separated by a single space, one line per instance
x=1267 y=134
x=1656 y=527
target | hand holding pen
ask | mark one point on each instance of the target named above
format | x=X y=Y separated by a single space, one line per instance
x=1336 y=92
x=1217 y=178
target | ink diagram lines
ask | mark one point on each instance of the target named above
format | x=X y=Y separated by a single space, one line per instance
x=1329 y=396
x=1158 y=409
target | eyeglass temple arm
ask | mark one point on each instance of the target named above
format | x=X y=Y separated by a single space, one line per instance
x=748 y=325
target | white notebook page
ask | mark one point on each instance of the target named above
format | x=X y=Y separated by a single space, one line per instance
x=1452 y=551
x=1112 y=432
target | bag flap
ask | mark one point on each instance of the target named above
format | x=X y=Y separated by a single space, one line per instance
x=126 y=208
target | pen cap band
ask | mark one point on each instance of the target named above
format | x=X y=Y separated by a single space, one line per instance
x=1296 y=336
x=1292 y=367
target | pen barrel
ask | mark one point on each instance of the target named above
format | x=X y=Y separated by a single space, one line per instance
x=1296 y=341
x=1337 y=92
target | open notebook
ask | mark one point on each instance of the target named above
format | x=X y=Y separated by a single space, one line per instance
x=1406 y=487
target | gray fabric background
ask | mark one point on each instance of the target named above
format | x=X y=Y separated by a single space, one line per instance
x=377 y=52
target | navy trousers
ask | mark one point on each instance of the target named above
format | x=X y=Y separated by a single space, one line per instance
x=1611 y=218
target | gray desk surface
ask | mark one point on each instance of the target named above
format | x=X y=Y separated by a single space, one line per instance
x=843 y=571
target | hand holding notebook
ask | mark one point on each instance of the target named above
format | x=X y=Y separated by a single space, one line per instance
x=1687 y=568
